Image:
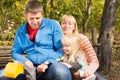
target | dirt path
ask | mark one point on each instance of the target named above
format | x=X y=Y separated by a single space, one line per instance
x=115 y=67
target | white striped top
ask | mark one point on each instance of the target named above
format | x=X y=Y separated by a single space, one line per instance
x=93 y=62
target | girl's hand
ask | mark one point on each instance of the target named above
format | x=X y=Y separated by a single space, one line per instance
x=77 y=74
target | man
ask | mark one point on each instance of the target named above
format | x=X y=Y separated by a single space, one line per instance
x=40 y=38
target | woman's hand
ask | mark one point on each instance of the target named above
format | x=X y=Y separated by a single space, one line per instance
x=42 y=67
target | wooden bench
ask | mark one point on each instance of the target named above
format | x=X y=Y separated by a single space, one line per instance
x=5 y=56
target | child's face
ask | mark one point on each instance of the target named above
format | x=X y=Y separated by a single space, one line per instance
x=34 y=19
x=67 y=49
x=67 y=27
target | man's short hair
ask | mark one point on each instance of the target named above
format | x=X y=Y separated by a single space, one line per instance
x=34 y=6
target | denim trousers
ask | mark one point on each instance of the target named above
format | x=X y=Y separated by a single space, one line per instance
x=55 y=71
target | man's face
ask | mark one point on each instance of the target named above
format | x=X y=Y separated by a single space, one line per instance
x=34 y=19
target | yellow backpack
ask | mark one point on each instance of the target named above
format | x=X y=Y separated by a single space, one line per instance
x=12 y=70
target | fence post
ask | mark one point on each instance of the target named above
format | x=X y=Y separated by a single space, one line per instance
x=95 y=43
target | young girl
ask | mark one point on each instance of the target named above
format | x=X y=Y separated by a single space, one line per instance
x=74 y=56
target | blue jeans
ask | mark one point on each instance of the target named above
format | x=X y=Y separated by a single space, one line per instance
x=99 y=76
x=56 y=71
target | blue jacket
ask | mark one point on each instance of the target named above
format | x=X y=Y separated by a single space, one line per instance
x=47 y=45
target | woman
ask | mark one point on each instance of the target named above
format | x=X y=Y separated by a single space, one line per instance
x=69 y=26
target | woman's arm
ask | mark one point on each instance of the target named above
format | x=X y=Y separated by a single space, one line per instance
x=93 y=62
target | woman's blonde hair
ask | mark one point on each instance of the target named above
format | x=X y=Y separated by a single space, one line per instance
x=70 y=18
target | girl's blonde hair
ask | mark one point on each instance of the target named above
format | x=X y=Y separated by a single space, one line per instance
x=70 y=18
x=73 y=41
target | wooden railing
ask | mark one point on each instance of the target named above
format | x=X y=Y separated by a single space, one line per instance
x=5 y=56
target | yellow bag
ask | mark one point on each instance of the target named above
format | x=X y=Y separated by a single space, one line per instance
x=12 y=70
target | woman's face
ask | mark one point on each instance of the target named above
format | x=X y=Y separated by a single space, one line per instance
x=67 y=27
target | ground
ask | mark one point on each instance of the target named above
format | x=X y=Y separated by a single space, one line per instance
x=114 y=73
x=115 y=67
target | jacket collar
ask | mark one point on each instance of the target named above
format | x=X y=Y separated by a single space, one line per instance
x=44 y=22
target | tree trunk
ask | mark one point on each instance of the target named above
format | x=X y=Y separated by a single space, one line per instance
x=87 y=13
x=106 y=36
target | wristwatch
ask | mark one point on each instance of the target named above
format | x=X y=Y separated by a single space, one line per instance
x=47 y=63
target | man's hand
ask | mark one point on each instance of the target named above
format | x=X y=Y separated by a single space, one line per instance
x=42 y=67
x=29 y=63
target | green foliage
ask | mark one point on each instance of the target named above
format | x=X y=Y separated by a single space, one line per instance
x=61 y=7
x=96 y=14
x=12 y=14
x=11 y=17
x=117 y=26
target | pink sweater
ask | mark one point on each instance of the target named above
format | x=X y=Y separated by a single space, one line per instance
x=93 y=62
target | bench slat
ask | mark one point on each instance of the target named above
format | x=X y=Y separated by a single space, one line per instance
x=5 y=56
x=5 y=47
x=5 y=51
